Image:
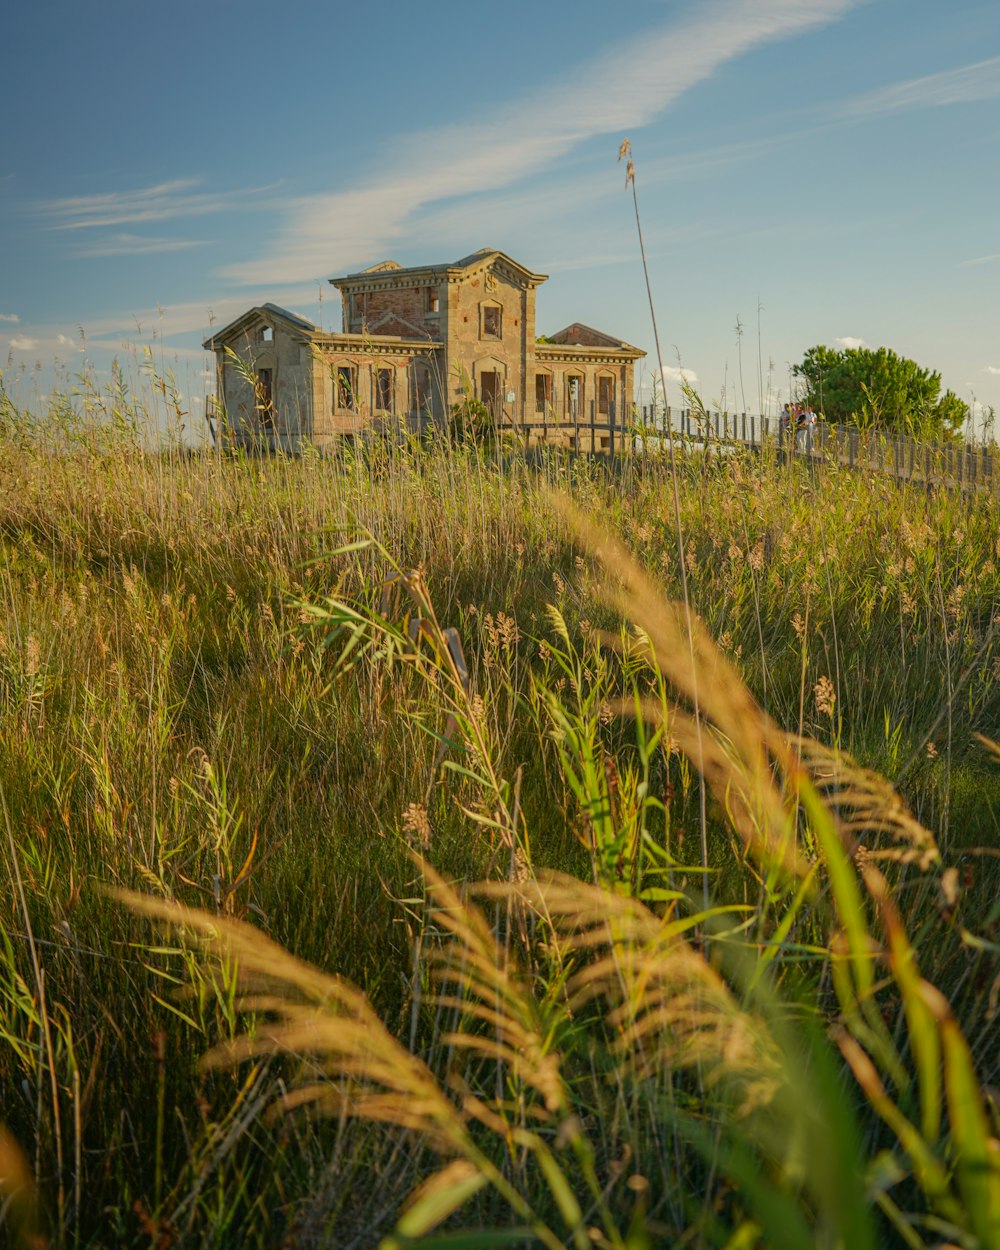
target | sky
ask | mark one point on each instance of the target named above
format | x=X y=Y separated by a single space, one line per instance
x=808 y=171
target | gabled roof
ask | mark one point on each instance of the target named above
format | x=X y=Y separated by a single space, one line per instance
x=579 y=335
x=475 y=260
x=261 y=312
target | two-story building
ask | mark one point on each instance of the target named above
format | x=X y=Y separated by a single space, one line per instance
x=415 y=344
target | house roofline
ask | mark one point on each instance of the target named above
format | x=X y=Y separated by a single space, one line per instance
x=573 y=351
x=383 y=278
x=258 y=312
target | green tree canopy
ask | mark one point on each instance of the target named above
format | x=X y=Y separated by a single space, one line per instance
x=873 y=386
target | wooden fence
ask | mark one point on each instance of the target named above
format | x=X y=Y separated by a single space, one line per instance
x=950 y=462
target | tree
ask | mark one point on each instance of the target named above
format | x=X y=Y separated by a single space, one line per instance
x=875 y=387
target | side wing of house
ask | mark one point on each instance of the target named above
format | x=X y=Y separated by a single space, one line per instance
x=266 y=375
x=583 y=376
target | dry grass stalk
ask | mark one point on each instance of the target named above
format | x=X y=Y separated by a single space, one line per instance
x=752 y=766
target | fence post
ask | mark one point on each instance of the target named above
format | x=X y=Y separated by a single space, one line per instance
x=611 y=428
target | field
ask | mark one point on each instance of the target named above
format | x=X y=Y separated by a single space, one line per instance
x=730 y=975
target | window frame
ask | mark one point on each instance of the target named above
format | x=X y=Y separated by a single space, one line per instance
x=578 y=378
x=263 y=396
x=389 y=393
x=545 y=378
x=609 y=380
x=340 y=391
x=491 y=309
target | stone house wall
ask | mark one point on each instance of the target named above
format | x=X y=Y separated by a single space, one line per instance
x=282 y=365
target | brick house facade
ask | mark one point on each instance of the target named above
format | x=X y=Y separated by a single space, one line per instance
x=416 y=342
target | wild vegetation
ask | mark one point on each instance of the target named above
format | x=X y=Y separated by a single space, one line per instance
x=360 y=815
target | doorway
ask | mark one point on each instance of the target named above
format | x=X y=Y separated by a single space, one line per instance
x=491 y=394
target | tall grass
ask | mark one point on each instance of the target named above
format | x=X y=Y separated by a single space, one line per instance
x=256 y=689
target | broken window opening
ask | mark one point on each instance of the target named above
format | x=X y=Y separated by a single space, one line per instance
x=420 y=390
x=574 y=396
x=385 y=390
x=263 y=399
x=543 y=392
x=432 y=301
x=491 y=321
x=266 y=334
x=346 y=390
x=605 y=396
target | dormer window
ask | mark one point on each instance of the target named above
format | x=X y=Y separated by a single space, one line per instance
x=491 y=321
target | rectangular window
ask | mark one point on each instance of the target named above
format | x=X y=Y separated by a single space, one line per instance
x=432 y=303
x=491 y=321
x=266 y=334
x=385 y=390
x=543 y=392
x=346 y=390
x=605 y=396
x=574 y=397
x=263 y=399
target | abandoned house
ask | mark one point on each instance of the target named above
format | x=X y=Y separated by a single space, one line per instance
x=415 y=343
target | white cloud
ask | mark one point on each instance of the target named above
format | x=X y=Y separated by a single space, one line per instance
x=965 y=85
x=12 y=317
x=22 y=343
x=639 y=79
x=137 y=245
x=993 y=370
x=677 y=375
x=980 y=260
x=850 y=342
x=162 y=202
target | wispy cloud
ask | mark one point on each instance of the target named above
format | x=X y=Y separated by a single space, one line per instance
x=980 y=260
x=964 y=85
x=165 y=201
x=992 y=370
x=11 y=317
x=848 y=341
x=639 y=79
x=21 y=343
x=137 y=245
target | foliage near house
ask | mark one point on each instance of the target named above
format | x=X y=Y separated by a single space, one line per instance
x=875 y=387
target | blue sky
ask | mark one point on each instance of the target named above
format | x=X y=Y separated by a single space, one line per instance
x=821 y=170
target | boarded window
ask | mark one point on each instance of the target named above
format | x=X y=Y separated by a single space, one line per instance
x=264 y=398
x=491 y=321
x=385 y=390
x=346 y=391
x=543 y=392
x=574 y=397
x=605 y=396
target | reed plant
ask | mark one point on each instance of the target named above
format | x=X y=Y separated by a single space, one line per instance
x=294 y=708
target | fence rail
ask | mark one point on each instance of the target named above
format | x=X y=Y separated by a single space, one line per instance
x=954 y=463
